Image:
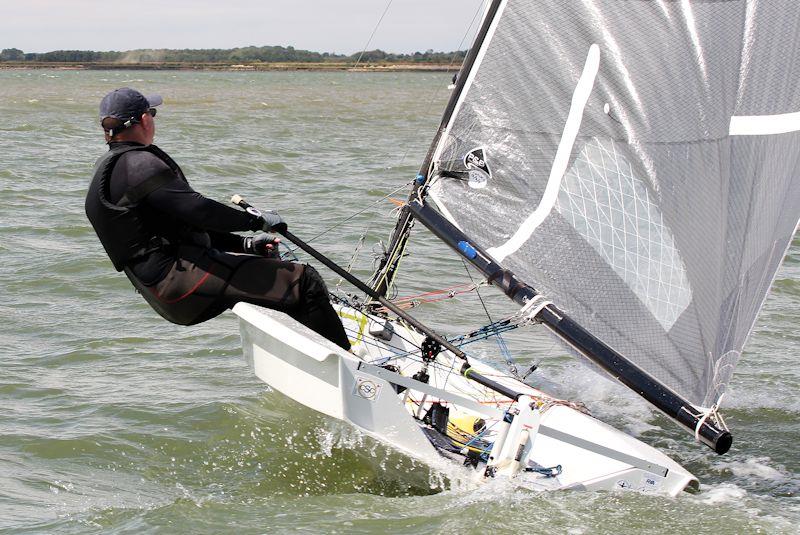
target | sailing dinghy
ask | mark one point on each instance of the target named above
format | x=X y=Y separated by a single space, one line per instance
x=627 y=174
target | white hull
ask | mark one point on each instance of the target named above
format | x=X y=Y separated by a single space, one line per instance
x=548 y=433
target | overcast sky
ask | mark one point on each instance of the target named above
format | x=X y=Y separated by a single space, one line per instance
x=341 y=26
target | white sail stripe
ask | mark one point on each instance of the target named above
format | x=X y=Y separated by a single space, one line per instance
x=443 y=209
x=471 y=76
x=579 y=99
x=764 y=125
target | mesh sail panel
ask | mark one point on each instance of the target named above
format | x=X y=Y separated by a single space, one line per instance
x=637 y=161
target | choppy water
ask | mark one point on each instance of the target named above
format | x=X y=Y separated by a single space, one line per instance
x=112 y=420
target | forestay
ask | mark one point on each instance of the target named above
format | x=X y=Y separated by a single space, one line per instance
x=638 y=162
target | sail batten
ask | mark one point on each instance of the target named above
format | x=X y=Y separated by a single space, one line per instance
x=657 y=218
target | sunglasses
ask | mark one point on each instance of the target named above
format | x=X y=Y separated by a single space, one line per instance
x=152 y=112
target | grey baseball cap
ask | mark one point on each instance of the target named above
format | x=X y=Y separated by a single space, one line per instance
x=127 y=104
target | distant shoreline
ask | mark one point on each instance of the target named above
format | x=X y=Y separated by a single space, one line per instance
x=238 y=67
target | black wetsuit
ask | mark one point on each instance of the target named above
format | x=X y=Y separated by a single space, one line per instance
x=190 y=275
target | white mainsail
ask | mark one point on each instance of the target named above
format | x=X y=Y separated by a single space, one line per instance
x=645 y=169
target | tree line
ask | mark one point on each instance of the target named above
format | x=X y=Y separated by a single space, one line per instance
x=249 y=54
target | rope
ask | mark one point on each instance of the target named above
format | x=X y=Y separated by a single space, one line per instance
x=348 y=218
x=378 y=280
x=289 y=253
x=482 y=333
x=433 y=296
x=353 y=258
x=501 y=343
x=397 y=256
x=532 y=308
x=710 y=413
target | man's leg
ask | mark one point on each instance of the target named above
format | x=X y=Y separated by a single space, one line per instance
x=315 y=309
x=296 y=289
x=203 y=283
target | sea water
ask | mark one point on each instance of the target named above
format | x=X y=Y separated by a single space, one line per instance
x=112 y=420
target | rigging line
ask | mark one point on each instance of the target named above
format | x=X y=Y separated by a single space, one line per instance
x=383 y=275
x=379 y=279
x=455 y=289
x=437 y=90
x=413 y=301
x=358 y=61
x=348 y=218
x=375 y=29
x=466 y=33
x=349 y=267
x=395 y=354
x=500 y=342
x=396 y=256
x=374 y=317
x=461 y=341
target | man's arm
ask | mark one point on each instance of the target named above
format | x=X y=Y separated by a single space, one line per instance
x=174 y=197
x=225 y=241
x=180 y=201
x=261 y=244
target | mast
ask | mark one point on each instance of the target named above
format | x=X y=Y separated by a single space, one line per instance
x=383 y=277
x=575 y=335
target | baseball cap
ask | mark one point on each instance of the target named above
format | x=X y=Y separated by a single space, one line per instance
x=127 y=105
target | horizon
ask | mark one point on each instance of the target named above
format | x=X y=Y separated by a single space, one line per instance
x=231 y=48
x=346 y=27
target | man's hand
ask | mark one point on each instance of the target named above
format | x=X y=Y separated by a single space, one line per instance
x=262 y=244
x=273 y=222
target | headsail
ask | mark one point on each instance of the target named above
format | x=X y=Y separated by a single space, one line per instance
x=645 y=169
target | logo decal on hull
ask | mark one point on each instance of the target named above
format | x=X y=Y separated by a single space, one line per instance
x=367 y=389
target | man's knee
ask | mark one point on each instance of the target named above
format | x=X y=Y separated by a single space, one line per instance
x=311 y=283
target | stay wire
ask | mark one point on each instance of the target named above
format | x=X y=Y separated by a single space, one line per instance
x=373 y=317
x=434 y=94
x=348 y=218
x=405 y=154
x=429 y=105
x=375 y=29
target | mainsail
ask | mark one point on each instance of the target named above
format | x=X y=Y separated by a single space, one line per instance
x=636 y=161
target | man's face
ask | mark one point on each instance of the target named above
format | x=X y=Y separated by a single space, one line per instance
x=148 y=125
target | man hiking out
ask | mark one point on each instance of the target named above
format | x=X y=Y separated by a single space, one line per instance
x=176 y=246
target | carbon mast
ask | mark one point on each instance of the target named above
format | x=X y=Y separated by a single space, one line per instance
x=572 y=333
x=383 y=277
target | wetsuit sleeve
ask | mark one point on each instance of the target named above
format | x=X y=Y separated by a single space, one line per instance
x=222 y=241
x=174 y=197
x=181 y=202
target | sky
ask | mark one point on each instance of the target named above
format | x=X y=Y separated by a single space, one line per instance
x=340 y=26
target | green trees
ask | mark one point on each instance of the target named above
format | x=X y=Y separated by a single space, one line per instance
x=249 y=54
x=12 y=54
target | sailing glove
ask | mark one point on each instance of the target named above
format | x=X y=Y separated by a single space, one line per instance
x=262 y=245
x=272 y=222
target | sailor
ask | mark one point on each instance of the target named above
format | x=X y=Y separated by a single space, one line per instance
x=176 y=246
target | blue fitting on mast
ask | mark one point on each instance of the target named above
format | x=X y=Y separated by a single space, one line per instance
x=420 y=179
x=467 y=250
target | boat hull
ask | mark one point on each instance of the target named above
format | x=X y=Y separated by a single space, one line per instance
x=374 y=391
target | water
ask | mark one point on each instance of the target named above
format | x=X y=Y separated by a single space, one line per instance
x=113 y=420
